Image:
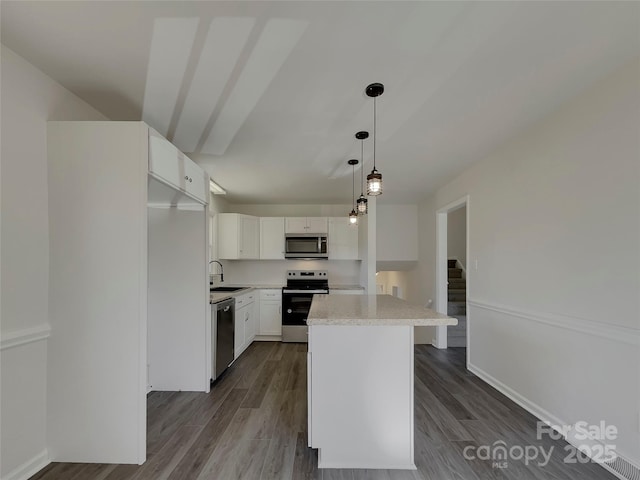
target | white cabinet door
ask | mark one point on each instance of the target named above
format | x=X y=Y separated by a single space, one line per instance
x=270 y=312
x=296 y=225
x=249 y=237
x=317 y=225
x=270 y=318
x=163 y=160
x=239 y=335
x=195 y=179
x=336 y=291
x=228 y=236
x=250 y=325
x=172 y=166
x=238 y=236
x=306 y=225
x=343 y=239
x=272 y=238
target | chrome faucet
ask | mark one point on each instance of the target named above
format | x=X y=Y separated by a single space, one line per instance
x=221 y=270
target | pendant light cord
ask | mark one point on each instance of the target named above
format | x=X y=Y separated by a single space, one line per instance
x=374 y=131
x=353 y=185
x=362 y=168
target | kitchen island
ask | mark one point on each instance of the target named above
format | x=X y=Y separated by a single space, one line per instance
x=360 y=379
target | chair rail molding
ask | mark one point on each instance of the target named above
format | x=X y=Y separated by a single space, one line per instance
x=609 y=331
x=25 y=336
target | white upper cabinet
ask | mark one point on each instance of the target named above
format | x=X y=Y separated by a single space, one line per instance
x=250 y=237
x=238 y=236
x=173 y=167
x=296 y=225
x=343 y=239
x=272 y=238
x=306 y=225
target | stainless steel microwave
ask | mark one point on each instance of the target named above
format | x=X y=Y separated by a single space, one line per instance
x=305 y=245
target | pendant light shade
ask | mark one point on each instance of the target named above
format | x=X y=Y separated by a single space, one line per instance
x=353 y=216
x=374 y=183
x=374 y=179
x=362 y=203
x=363 y=208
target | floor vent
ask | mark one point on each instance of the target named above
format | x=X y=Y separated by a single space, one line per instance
x=623 y=469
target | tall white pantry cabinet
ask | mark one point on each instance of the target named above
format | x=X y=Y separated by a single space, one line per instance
x=129 y=299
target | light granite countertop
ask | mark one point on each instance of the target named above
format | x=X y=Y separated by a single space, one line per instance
x=345 y=287
x=372 y=310
x=217 y=297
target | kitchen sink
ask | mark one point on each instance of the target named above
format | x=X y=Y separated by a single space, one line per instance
x=226 y=289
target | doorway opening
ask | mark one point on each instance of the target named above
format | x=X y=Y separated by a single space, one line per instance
x=452 y=274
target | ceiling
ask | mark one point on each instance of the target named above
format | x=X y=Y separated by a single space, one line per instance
x=267 y=96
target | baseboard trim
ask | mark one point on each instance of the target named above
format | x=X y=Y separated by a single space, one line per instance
x=583 y=325
x=534 y=409
x=29 y=468
x=23 y=337
x=268 y=338
x=540 y=413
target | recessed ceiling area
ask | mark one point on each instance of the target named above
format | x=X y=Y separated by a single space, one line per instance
x=267 y=96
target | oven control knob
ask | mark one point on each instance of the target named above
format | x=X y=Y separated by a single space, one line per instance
x=289 y=310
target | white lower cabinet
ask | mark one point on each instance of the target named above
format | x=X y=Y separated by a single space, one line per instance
x=238 y=339
x=370 y=423
x=245 y=322
x=270 y=312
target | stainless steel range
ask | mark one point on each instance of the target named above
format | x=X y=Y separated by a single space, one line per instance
x=302 y=285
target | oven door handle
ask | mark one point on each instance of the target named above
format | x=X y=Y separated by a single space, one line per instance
x=305 y=291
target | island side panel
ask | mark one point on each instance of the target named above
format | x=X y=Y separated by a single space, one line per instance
x=361 y=392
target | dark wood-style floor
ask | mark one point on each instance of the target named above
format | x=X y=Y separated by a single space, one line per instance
x=253 y=426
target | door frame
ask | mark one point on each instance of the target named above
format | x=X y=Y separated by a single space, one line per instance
x=440 y=340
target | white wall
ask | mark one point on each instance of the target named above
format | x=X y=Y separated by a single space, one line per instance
x=29 y=100
x=422 y=289
x=400 y=279
x=292 y=210
x=177 y=335
x=397 y=233
x=217 y=204
x=554 y=214
x=457 y=235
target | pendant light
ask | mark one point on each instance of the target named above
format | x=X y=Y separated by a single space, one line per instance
x=362 y=200
x=353 y=216
x=374 y=179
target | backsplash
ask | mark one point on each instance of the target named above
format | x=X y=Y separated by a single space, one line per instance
x=270 y=272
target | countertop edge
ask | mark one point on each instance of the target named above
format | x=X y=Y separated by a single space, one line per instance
x=372 y=310
x=399 y=322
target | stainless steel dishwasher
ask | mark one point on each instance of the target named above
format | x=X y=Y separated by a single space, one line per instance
x=223 y=336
